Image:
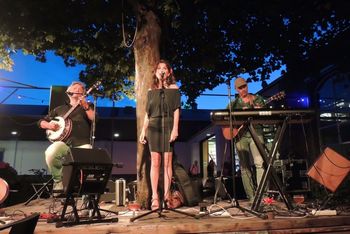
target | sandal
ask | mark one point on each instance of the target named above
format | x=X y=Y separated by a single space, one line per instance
x=155 y=204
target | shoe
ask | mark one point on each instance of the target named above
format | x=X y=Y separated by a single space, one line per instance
x=57 y=190
x=85 y=213
x=155 y=204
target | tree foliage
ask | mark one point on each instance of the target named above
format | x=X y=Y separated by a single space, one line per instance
x=206 y=41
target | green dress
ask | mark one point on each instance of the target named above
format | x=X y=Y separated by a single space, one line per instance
x=161 y=104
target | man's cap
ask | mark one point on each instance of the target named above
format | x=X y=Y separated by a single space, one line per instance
x=240 y=82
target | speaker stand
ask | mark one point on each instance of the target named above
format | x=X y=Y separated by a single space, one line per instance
x=95 y=216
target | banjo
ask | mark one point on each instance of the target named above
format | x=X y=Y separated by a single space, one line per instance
x=4 y=190
x=65 y=123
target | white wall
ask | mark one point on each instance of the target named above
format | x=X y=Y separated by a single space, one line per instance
x=30 y=154
x=25 y=156
x=123 y=152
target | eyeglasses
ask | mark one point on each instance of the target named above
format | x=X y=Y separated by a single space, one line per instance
x=242 y=87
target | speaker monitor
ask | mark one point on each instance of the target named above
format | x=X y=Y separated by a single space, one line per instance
x=58 y=96
x=293 y=174
x=330 y=169
x=86 y=171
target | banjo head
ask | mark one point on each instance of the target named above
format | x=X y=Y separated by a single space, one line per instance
x=4 y=190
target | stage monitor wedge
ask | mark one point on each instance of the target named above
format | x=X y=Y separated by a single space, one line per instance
x=330 y=169
x=58 y=96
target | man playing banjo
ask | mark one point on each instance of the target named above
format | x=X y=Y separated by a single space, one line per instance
x=68 y=125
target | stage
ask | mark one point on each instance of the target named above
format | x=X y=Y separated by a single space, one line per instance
x=231 y=220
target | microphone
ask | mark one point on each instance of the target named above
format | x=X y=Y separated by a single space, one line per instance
x=162 y=76
x=71 y=93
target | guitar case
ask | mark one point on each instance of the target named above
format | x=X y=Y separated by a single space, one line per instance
x=185 y=186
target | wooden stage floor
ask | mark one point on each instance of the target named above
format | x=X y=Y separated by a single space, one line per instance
x=231 y=220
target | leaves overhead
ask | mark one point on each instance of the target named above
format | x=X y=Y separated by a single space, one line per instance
x=206 y=41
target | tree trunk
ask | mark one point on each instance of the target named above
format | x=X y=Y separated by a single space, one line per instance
x=146 y=51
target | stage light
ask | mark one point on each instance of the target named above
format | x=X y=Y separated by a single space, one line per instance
x=14 y=133
x=299 y=101
x=116 y=135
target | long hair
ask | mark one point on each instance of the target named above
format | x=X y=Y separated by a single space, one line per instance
x=169 y=80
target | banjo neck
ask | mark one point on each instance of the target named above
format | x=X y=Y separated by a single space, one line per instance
x=70 y=110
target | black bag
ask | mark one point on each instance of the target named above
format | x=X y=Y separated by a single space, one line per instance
x=184 y=184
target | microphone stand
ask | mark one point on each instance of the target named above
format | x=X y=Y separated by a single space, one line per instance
x=234 y=201
x=93 y=125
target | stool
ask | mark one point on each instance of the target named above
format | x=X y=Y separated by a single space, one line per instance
x=37 y=186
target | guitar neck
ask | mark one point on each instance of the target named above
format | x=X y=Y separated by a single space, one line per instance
x=277 y=96
x=270 y=99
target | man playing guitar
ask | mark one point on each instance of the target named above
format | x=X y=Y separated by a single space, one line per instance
x=68 y=125
x=244 y=143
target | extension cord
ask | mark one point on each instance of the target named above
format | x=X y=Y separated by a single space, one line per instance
x=324 y=212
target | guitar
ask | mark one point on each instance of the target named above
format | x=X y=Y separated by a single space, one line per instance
x=238 y=132
x=65 y=123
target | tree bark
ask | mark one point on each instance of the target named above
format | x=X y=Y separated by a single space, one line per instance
x=146 y=51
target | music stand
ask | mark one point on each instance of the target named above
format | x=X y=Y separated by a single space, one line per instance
x=85 y=172
x=234 y=201
x=162 y=204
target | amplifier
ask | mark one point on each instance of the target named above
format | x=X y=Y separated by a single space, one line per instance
x=293 y=175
